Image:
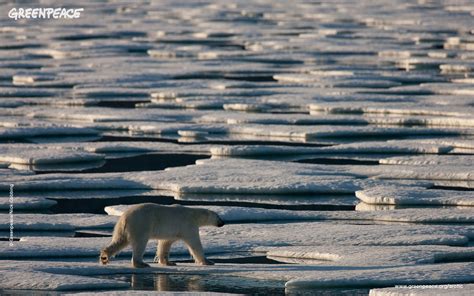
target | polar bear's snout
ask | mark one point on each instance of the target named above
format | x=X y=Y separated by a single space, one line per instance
x=213 y=219
x=220 y=222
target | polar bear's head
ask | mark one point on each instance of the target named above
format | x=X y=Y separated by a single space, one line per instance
x=212 y=219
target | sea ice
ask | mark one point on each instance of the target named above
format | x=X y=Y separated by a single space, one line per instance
x=390 y=147
x=218 y=176
x=460 y=160
x=369 y=255
x=22 y=203
x=39 y=155
x=24 y=132
x=276 y=199
x=31 y=280
x=403 y=195
x=426 y=274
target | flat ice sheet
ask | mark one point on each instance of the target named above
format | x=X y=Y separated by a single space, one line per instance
x=384 y=108
x=24 y=132
x=460 y=160
x=31 y=280
x=220 y=176
x=90 y=194
x=399 y=147
x=275 y=199
x=21 y=203
x=450 y=273
x=442 y=172
x=41 y=155
x=368 y=255
x=404 y=195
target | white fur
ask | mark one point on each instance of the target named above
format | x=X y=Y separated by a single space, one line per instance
x=166 y=224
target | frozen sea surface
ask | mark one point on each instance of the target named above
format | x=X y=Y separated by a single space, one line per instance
x=335 y=139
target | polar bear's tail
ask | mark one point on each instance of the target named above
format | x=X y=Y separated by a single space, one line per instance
x=119 y=241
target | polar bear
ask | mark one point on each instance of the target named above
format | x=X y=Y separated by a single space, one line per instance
x=166 y=224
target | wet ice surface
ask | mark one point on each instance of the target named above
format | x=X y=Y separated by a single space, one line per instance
x=336 y=137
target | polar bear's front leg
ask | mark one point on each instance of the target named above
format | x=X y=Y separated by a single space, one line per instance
x=138 y=249
x=193 y=242
x=163 y=251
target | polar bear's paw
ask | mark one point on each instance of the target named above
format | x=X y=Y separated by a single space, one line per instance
x=163 y=263
x=140 y=264
x=206 y=262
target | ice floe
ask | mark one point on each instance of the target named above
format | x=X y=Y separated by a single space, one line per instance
x=24 y=132
x=439 y=172
x=37 y=155
x=407 y=109
x=401 y=195
x=23 y=203
x=430 y=160
x=275 y=199
x=452 y=273
x=88 y=194
x=379 y=256
x=390 y=147
x=222 y=176
x=25 y=280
